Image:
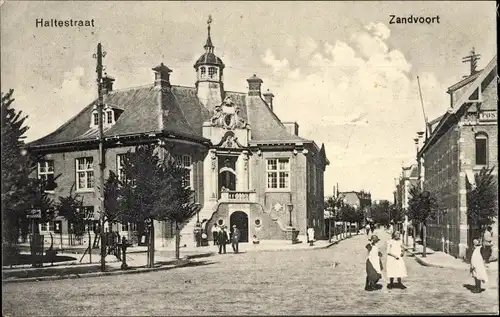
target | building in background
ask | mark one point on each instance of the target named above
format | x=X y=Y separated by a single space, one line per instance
x=246 y=167
x=359 y=200
x=459 y=144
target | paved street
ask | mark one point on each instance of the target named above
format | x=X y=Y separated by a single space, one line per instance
x=263 y=283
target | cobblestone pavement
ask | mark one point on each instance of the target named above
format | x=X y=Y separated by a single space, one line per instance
x=267 y=283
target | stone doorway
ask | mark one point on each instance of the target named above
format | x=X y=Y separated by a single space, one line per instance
x=240 y=219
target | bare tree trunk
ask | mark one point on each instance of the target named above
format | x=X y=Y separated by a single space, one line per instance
x=414 y=237
x=177 y=241
x=90 y=245
x=152 y=245
x=424 y=238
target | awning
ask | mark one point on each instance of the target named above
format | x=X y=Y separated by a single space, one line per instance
x=470 y=177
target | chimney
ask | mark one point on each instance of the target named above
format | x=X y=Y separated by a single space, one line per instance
x=292 y=127
x=254 y=84
x=107 y=83
x=268 y=97
x=162 y=76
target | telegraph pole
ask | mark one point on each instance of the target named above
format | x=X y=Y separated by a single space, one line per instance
x=472 y=59
x=100 y=106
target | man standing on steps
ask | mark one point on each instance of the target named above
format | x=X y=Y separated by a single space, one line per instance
x=235 y=239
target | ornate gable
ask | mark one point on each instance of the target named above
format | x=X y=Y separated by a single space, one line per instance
x=227 y=116
x=229 y=141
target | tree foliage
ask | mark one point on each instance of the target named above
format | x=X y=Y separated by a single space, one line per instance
x=482 y=200
x=71 y=207
x=421 y=206
x=20 y=191
x=380 y=212
x=154 y=189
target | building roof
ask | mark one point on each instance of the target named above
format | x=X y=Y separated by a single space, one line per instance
x=209 y=58
x=464 y=81
x=149 y=109
x=460 y=104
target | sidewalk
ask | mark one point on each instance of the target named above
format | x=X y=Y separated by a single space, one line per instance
x=137 y=260
x=441 y=259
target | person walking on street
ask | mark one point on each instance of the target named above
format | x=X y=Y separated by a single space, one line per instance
x=373 y=264
x=367 y=227
x=372 y=227
x=235 y=239
x=215 y=233
x=222 y=241
x=396 y=267
x=477 y=267
x=487 y=244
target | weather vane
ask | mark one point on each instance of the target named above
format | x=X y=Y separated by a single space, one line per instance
x=209 y=21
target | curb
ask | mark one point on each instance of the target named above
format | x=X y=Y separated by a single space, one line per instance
x=182 y=263
x=427 y=263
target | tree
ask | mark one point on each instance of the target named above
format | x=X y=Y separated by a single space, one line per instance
x=112 y=194
x=421 y=207
x=482 y=200
x=154 y=190
x=17 y=185
x=71 y=208
x=380 y=212
x=333 y=204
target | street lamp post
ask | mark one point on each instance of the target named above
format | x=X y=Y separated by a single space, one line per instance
x=330 y=209
x=290 y=209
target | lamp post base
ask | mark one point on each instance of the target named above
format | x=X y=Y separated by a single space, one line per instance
x=292 y=234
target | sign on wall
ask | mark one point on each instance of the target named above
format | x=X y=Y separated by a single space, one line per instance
x=488 y=115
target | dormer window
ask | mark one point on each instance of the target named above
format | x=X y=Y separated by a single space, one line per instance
x=109 y=115
x=212 y=72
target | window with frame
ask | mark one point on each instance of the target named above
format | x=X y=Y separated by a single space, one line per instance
x=203 y=72
x=47 y=226
x=278 y=173
x=46 y=174
x=119 y=167
x=95 y=118
x=481 y=149
x=185 y=162
x=212 y=72
x=109 y=116
x=85 y=173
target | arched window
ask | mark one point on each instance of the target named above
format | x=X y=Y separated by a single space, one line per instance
x=212 y=72
x=203 y=72
x=481 y=149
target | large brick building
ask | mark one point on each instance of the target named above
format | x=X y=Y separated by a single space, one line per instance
x=460 y=144
x=247 y=167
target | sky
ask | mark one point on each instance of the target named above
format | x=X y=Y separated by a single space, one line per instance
x=340 y=69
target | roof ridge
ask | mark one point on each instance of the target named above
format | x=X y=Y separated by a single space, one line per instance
x=130 y=88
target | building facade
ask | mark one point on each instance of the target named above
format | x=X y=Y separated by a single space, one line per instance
x=462 y=142
x=246 y=167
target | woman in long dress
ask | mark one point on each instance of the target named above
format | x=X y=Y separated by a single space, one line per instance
x=373 y=264
x=396 y=267
x=477 y=267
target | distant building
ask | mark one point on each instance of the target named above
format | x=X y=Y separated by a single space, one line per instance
x=246 y=167
x=460 y=143
x=359 y=200
x=408 y=179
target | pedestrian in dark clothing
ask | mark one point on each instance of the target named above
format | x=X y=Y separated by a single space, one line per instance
x=372 y=227
x=215 y=234
x=235 y=238
x=223 y=239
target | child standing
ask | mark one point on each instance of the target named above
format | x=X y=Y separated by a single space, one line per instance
x=477 y=268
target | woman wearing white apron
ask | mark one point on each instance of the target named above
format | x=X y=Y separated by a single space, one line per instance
x=477 y=268
x=373 y=265
x=396 y=267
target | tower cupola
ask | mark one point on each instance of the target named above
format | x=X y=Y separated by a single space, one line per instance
x=209 y=71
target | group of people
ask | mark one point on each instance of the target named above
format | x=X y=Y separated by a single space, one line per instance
x=370 y=227
x=222 y=237
x=395 y=265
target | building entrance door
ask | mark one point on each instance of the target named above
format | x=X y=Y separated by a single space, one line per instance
x=240 y=219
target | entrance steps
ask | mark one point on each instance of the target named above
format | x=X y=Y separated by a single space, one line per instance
x=187 y=233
